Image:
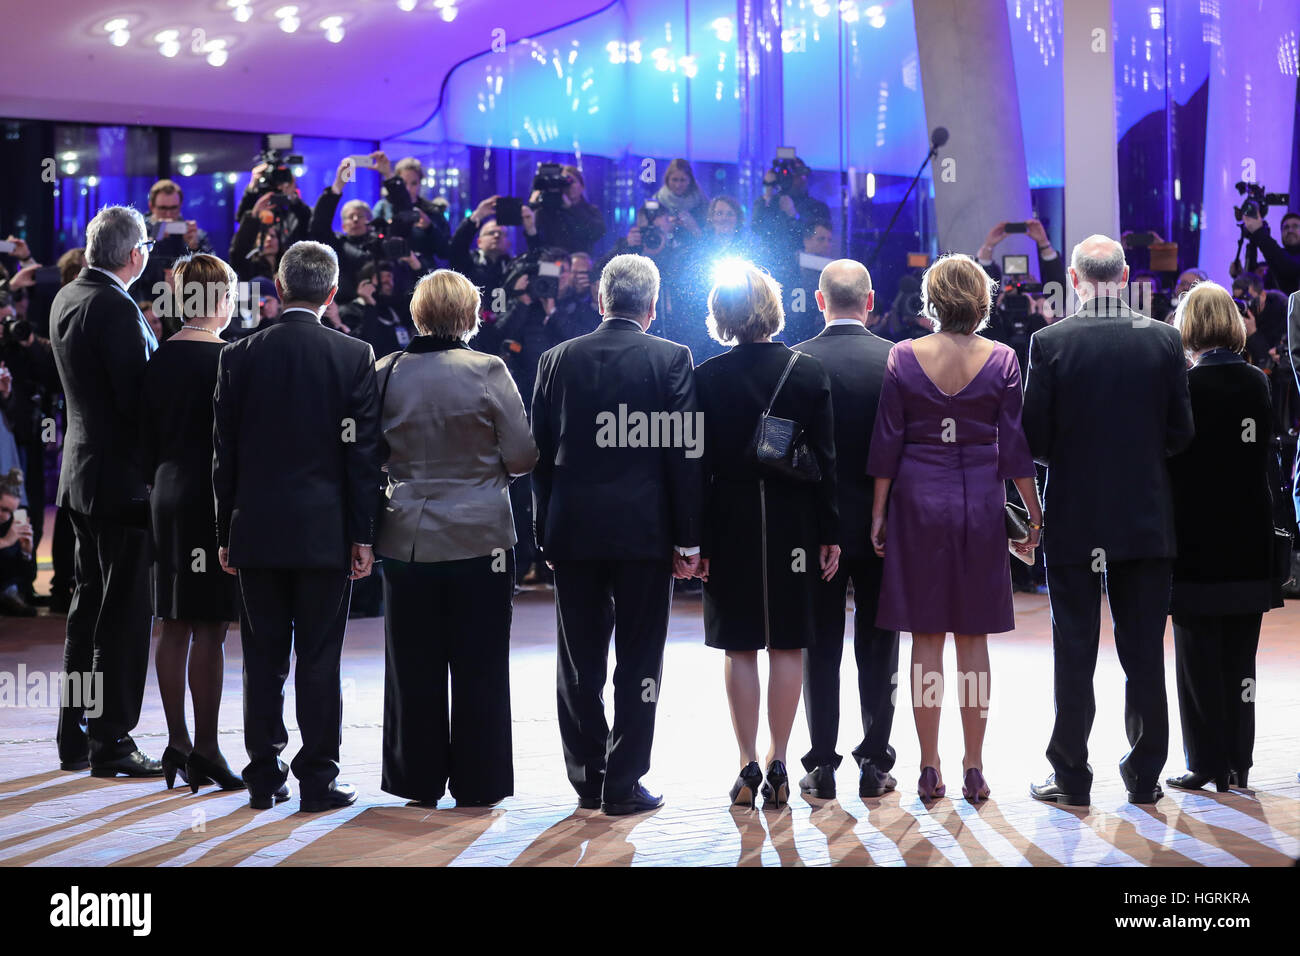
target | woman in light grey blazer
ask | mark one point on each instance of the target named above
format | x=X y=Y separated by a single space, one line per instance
x=456 y=433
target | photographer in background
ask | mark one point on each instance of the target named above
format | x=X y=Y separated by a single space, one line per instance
x=272 y=199
x=429 y=235
x=799 y=282
x=29 y=395
x=1051 y=266
x=362 y=239
x=17 y=549
x=681 y=196
x=565 y=219
x=1283 y=258
x=575 y=311
x=173 y=237
x=784 y=207
x=480 y=251
x=1267 y=310
x=377 y=315
x=258 y=244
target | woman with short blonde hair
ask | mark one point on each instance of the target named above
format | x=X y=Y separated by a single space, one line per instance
x=456 y=433
x=957 y=295
x=768 y=537
x=446 y=305
x=1223 y=522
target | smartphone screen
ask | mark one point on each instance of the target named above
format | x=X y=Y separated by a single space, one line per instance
x=20 y=516
x=363 y=162
x=1016 y=227
x=177 y=228
x=6 y=245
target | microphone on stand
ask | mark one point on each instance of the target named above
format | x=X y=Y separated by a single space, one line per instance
x=938 y=137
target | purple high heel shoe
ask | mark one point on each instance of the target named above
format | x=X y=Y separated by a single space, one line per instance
x=974 y=788
x=929 y=786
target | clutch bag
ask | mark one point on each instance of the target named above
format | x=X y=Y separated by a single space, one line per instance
x=1017 y=520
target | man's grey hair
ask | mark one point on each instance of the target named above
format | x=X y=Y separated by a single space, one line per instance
x=845 y=284
x=111 y=236
x=629 y=286
x=1106 y=267
x=308 y=270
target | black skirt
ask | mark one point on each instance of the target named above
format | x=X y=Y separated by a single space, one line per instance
x=763 y=565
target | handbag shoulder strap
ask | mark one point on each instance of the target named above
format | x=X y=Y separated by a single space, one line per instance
x=788 y=365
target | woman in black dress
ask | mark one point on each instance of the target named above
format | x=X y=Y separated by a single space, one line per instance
x=192 y=595
x=1223 y=520
x=766 y=538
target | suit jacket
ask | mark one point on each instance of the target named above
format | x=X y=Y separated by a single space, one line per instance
x=1225 y=548
x=101 y=344
x=854 y=360
x=456 y=432
x=296 y=446
x=599 y=491
x=1106 y=403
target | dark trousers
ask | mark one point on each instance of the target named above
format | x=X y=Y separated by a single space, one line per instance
x=305 y=612
x=449 y=618
x=1214 y=659
x=629 y=600
x=876 y=651
x=521 y=508
x=1138 y=592
x=110 y=622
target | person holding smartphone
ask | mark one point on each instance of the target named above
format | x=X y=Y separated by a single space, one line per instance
x=17 y=550
x=173 y=237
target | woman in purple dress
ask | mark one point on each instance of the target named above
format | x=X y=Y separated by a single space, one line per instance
x=947 y=437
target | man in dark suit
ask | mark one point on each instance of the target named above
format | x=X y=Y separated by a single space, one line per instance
x=854 y=360
x=617 y=496
x=1106 y=403
x=101 y=344
x=296 y=475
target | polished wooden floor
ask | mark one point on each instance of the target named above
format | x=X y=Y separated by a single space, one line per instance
x=48 y=817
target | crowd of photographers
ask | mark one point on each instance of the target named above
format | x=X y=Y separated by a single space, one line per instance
x=542 y=290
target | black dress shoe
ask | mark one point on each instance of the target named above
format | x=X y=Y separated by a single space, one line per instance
x=173 y=764
x=337 y=796
x=589 y=803
x=134 y=764
x=200 y=770
x=263 y=801
x=72 y=766
x=874 y=782
x=819 y=782
x=1145 y=796
x=1197 y=781
x=1052 y=792
x=640 y=800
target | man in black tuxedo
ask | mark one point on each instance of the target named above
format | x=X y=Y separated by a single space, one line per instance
x=1106 y=403
x=617 y=516
x=101 y=344
x=854 y=360
x=296 y=473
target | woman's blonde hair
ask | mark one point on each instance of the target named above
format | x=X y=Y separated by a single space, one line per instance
x=201 y=285
x=744 y=305
x=957 y=294
x=1207 y=318
x=445 y=304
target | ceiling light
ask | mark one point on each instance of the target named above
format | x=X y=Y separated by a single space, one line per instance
x=70 y=168
x=68 y=156
x=117 y=23
x=282 y=12
x=169 y=49
x=166 y=36
x=334 y=34
x=189 y=169
x=92 y=181
x=120 y=38
x=289 y=24
x=329 y=23
x=406 y=6
x=242 y=14
x=449 y=14
x=185 y=159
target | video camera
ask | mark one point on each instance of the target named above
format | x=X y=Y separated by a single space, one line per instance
x=1257 y=202
x=543 y=276
x=551 y=181
x=277 y=155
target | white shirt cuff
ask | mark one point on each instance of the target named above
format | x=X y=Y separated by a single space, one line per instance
x=687 y=552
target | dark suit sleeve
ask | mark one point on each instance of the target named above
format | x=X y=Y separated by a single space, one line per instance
x=121 y=345
x=322 y=217
x=147 y=447
x=1180 y=428
x=1052 y=271
x=820 y=430
x=224 y=444
x=363 y=455
x=458 y=255
x=1293 y=332
x=685 y=473
x=1040 y=401
x=545 y=442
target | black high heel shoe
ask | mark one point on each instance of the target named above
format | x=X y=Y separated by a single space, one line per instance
x=173 y=763
x=776 y=788
x=746 y=785
x=201 y=770
x=1197 y=781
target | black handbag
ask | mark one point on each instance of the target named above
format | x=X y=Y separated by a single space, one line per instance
x=1017 y=521
x=778 y=446
x=1281 y=564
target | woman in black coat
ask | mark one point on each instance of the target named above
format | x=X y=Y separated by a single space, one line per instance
x=1223 y=516
x=766 y=538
